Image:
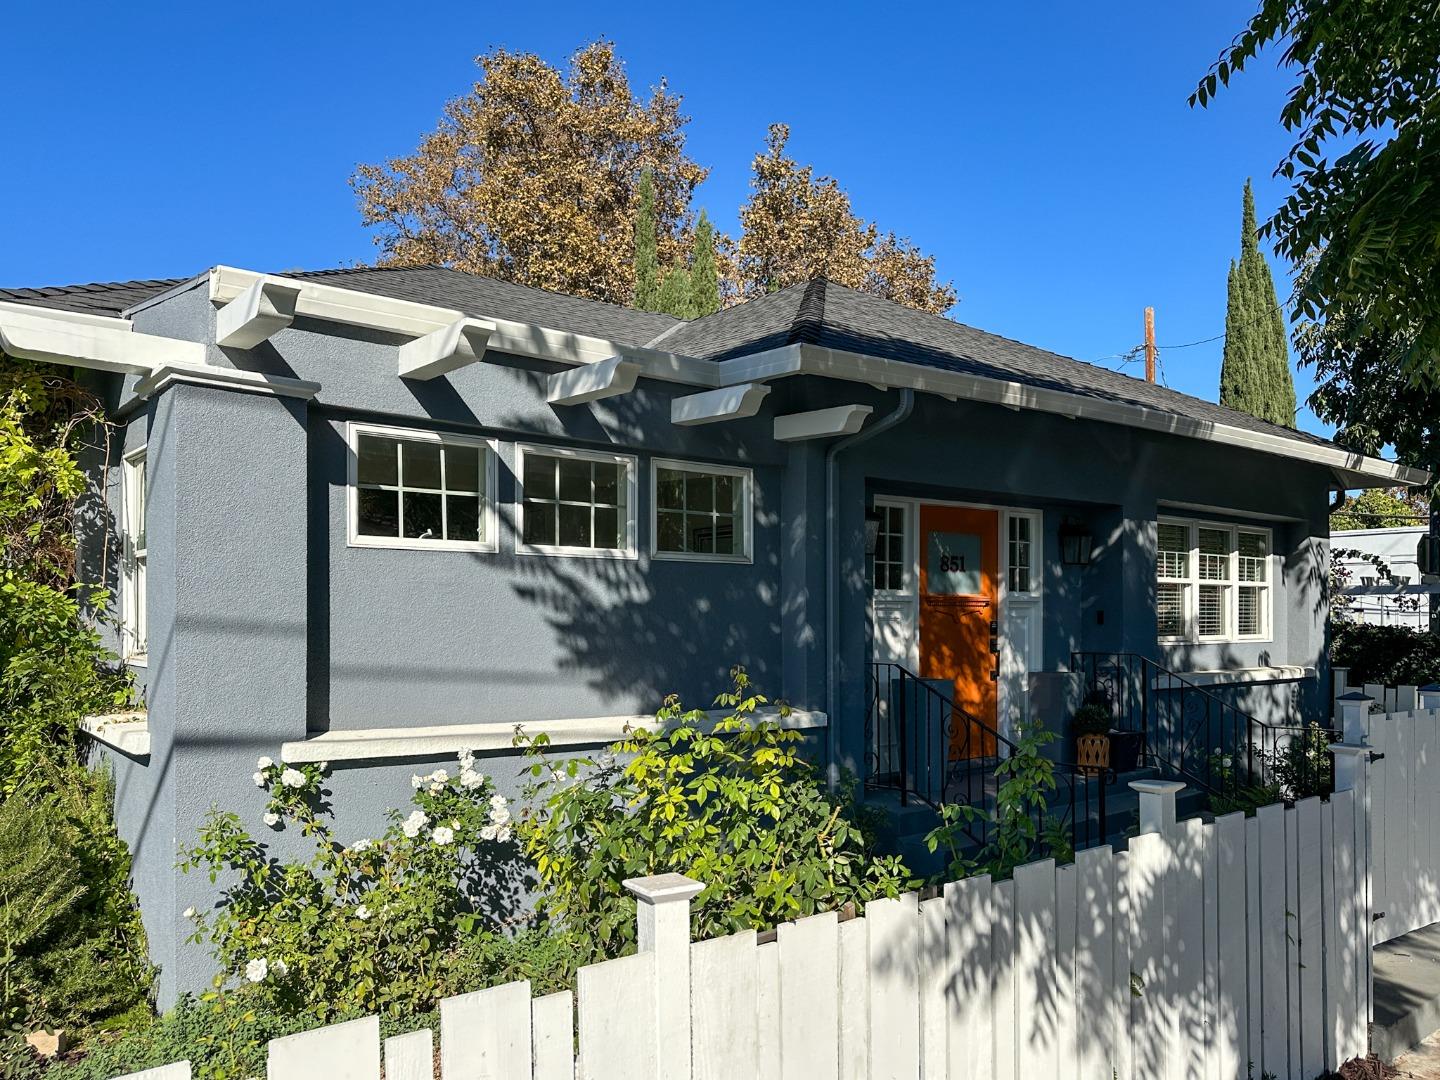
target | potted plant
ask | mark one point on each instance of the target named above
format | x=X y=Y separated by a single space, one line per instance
x=1091 y=725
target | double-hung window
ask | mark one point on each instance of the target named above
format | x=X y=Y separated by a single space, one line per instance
x=421 y=489
x=576 y=502
x=892 y=556
x=133 y=619
x=701 y=512
x=1212 y=581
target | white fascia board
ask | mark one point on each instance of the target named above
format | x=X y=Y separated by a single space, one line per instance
x=264 y=309
x=164 y=376
x=442 y=351
x=857 y=367
x=331 y=303
x=79 y=318
x=94 y=345
x=821 y=423
x=369 y=744
x=591 y=382
x=714 y=406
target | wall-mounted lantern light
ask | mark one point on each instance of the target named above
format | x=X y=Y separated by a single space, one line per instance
x=1076 y=543
x=873 y=518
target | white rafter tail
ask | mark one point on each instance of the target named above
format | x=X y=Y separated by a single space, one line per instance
x=443 y=351
x=61 y=339
x=822 y=423
x=608 y=378
x=713 y=406
x=264 y=309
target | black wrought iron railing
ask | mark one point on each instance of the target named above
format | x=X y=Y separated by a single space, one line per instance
x=1193 y=733
x=928 y=749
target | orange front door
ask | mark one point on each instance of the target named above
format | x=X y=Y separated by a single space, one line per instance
x=959 y=618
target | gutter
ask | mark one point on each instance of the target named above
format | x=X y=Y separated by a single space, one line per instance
x=832 y=585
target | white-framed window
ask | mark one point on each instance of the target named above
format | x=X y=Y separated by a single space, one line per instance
x=1021 y=547
x=575 y=502
x=134 y=622
x=891 y=566
x=701 y=512
x=421 y=490
x=1213 y=581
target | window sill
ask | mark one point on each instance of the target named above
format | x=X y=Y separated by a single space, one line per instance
x=1234 y=677
x=385 y=544
x=369 y=744
x=555 y=552
x=701 y=557
x=128 y=732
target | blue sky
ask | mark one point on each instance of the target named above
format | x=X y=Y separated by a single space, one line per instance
x=1045 y=153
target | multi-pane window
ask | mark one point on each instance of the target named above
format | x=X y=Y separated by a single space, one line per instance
x=576 y=502
x=133 y=613
x=1019 y=545
x=1212 y=581
x=701 y=511
x=891 y=561
x=420 y=489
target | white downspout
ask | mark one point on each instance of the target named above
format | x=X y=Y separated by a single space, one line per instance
x=832 y=585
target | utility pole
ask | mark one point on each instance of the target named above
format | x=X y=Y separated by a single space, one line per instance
x=1149 y=344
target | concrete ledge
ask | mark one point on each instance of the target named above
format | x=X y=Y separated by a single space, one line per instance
x=1235 y=677
x=128 y=732
x=1407 y=992
x=369 y=744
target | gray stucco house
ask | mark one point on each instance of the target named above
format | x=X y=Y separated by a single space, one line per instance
x=374 y=516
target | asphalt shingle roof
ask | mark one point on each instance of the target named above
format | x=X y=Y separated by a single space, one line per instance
x=818 y=312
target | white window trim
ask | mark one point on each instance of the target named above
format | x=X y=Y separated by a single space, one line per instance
x=1233 y=584
x=632 y=484
x=1035 y=593
x=909 y=572
x=131 y=648
x=353 y=431
x=747 y=480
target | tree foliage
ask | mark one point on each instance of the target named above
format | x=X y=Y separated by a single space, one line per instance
x=531 y=177
x=647 y=264
x=1255 y=372
x=1364 y=214
x=797 y=226
x=1381 y=508
x=704 y=273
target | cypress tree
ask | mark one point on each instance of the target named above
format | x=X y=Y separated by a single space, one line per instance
x=674 y=298
x=1255 y=373
x=704 y=278
x=647 y=266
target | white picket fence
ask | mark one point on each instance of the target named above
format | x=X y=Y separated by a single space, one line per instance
x=1219 y=951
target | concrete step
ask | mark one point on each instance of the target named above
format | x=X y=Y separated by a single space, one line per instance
x=1407 y=992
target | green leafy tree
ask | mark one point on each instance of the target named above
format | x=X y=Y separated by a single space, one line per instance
x=674 y=298
x=1255 y=373
x=1364 y=215
x=647 y=267
x=1380 y=508
x=704 y=275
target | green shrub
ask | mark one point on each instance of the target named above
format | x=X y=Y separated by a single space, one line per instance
x=1091 y=718
x=735 y=807
x=1392 y=655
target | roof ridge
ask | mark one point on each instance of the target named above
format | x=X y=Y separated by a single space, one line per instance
x=809 y=318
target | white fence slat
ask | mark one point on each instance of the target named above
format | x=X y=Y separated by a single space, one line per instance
x=1097 y=1002
x=1401 y=832
x=1332 y=978
x=934 y=1006
x=892 y=945
x=1274 y=980
x=854 y=1002
x=1035 y=967
x=1123 y=1052
x=410 y=1056
x=1185 y=951
x=1353 y=918
x=348 y=1051
x=1151 y=1022
x=1312 y=951
x=1212 y=1032
x=1377 y=779
x=615 y=1000
x=180 y=1070
x=1254 y=1043
x=1427 y=812
x=970 y=960
x=809 y=998
x=1003 y=1009
x=1066 y=1033
x=552 y=1036
x=486 y=1034
x=1232 y=1006
x=723 y=1031
x=1292 y=939
x=767 y=1011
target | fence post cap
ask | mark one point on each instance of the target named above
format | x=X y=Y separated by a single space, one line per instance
x=1355 y=695
x=1157 y=787
x=663 y=888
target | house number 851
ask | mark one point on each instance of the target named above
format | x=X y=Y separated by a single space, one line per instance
x=952 y=564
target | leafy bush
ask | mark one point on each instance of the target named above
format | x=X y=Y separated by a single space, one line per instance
x=736 y=808
x=1091 y=718
x=1392 y=655
x=1020 y=827
x=373 y=926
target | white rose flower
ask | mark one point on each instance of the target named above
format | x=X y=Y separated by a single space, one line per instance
x=442 y=836
x=414 y=823
x=466 y=758
x=439 y=776
x=292 y=778
x=470 y=780
x=489 y=832
x=324 y=766
x=257 y=969
x=188 y=913
x=280 y=968
x=264 y=763
x=271 y=819
x=502 y=834
x=497 y=802
x=501 y=816
x=362 y=845
x=416 y=781
x=259 y=779
x=362 y=912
